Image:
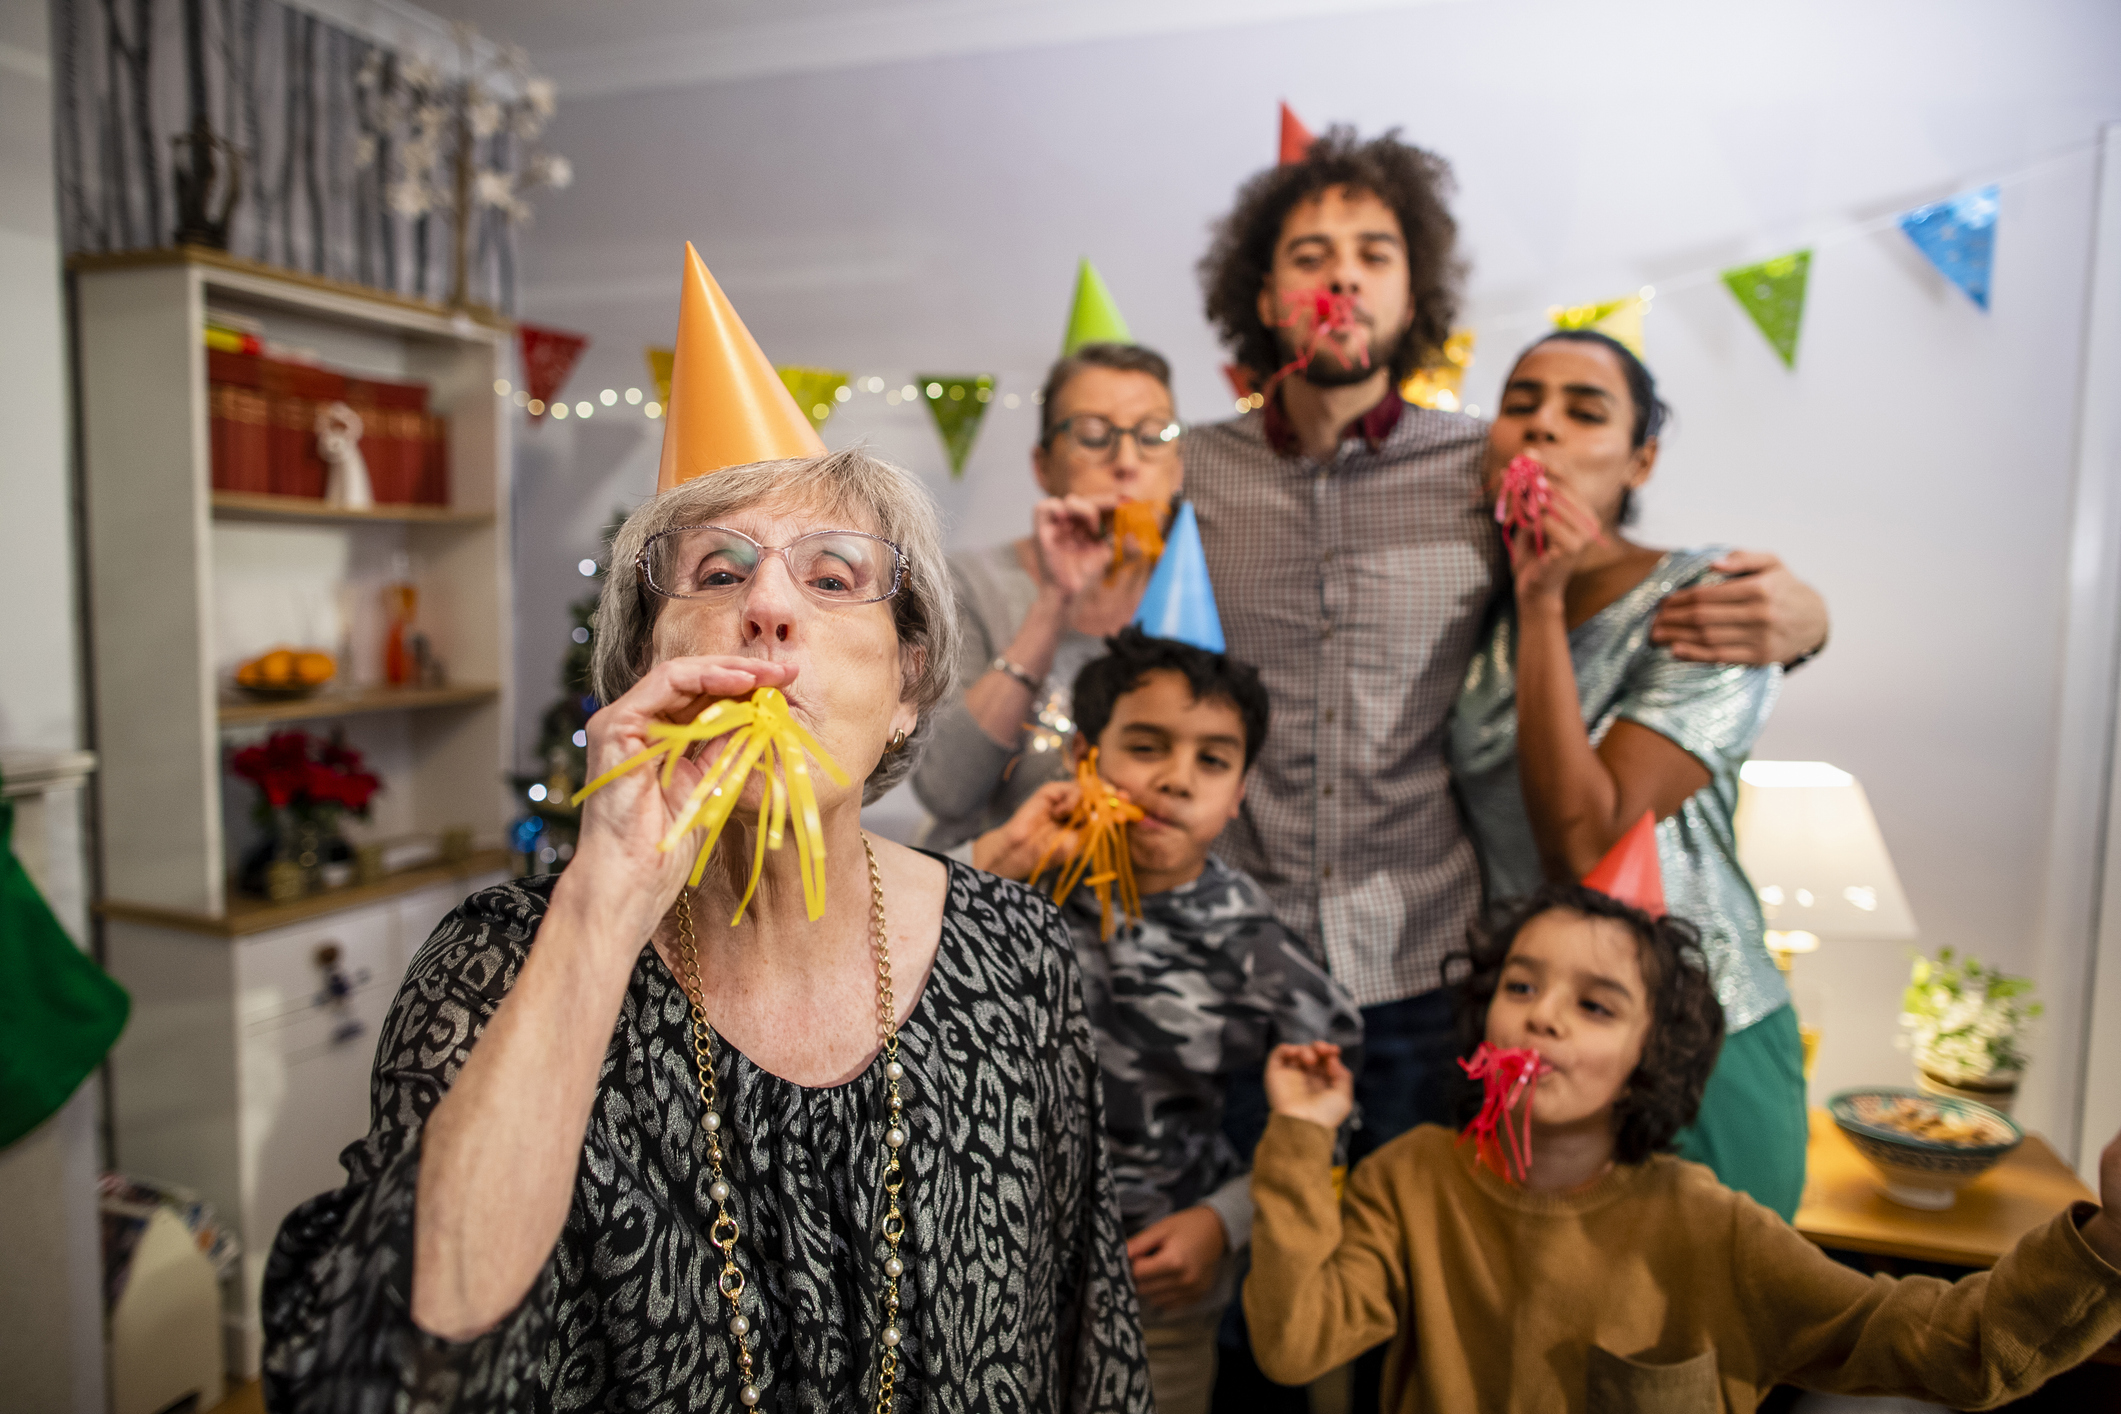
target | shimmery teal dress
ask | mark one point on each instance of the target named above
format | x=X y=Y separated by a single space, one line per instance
x=1751 y=1129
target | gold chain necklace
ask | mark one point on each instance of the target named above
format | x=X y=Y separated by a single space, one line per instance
x=723 y=1231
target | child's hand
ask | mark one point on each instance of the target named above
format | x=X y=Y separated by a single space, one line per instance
x=1175 y=1259
x=1309 y=1082
x=1012 y=848
x=2103 y=1233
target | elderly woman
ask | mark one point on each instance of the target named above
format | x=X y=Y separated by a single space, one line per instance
x=627 y=1154
x=1034 y=611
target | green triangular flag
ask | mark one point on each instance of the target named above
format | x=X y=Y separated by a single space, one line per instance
x=59 y=1012
x=957 y=402
x=1773 y=293
x=1095 y=319
x=815 y=390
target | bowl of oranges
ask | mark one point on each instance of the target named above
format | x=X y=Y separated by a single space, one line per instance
x=286 y=673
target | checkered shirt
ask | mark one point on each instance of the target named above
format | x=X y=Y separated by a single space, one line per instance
x=1357 y=587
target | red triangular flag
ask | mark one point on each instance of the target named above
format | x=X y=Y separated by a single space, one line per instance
x=1295 y=137
x=548 y=357
x=1630 y=871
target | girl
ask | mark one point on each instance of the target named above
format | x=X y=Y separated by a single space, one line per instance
x=1616 y=1276
x=1572 y=723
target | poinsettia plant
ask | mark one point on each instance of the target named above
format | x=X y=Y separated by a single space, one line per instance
x=313 y=778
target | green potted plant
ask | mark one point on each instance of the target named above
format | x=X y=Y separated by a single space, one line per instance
x=1967 y=1026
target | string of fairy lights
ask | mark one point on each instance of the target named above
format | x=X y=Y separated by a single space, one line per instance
x=637 y=402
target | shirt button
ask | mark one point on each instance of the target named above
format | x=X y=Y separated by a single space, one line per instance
x=1326 y=872
x=1329 y=715
x=1326 y=790
x=1326 y=631
x=1326 y=558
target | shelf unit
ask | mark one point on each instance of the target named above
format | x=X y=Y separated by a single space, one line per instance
x=244 y=1069
x=180 y=573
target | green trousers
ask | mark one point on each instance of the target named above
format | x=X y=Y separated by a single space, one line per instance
x=1752 y=1128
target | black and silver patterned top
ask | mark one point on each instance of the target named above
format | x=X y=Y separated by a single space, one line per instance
x=1356 y=586
x=1017 y=1289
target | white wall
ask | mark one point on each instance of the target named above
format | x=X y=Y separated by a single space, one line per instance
x=51 y=1326
x=1916 y=465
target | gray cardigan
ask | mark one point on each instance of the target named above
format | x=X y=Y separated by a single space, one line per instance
x=969 y=782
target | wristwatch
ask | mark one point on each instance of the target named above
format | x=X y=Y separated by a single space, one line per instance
x=1003 y=665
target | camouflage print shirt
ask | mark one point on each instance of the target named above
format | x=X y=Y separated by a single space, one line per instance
x=1193 y=995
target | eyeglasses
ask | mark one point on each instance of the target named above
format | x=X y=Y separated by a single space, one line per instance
x=714 y=562
x=1152 y=438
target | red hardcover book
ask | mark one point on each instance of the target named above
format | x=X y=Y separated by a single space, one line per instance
x=242 y=451
x=390 y=436
x=434 y=481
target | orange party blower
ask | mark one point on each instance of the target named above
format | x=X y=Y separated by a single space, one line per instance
x=1142 y=522
x=1099 y=823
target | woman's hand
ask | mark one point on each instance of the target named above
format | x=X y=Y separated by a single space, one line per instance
x=1309 y=1082
x=1013 y=848
x=623 y=824
x=1069 y=533
x=1176 y=1258
x=1569 y=529
x=1761 y=614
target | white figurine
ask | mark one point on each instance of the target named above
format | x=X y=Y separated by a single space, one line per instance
x=339 y=443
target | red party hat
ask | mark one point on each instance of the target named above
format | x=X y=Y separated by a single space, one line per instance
x=1630 y=871
x=1295 y=137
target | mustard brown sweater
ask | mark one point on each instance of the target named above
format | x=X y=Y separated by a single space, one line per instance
x=1655 y=1289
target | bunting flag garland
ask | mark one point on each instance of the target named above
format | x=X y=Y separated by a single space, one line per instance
x=660 y=362
x=1959 y=237
x=1094 y=318
x=1296 y=139
x=1442 y=383
x=1772 y=292
x=817 y=391
x=548 y=357
x=1619 y=319
x=957 y=402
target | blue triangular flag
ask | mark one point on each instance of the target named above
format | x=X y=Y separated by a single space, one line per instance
x=1959 y=237
x=1179 y=602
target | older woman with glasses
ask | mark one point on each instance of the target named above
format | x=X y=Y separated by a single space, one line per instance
x=628 y=1153
x=1032 y=612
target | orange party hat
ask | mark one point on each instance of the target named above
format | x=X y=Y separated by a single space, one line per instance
x=728 y=407
x=1630 y=871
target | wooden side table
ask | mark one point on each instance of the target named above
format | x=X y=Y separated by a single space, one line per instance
x=1844 y=1207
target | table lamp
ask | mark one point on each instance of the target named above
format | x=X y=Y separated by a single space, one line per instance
x=1808 y=841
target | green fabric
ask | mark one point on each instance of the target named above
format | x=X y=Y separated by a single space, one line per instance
x=957 y=402
x=1752 y=1128
x=59 y=1012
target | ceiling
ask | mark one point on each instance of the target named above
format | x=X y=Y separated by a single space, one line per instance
x=625 y=46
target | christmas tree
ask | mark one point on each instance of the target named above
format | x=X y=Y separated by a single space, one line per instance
x=544 y=837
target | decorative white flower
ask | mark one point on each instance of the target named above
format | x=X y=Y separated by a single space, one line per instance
x=371 y=71
x=495 y=189
x=410 y=198
x=485 y=116
x=364 y=152
x=419 y=73
x=551 y=170
x=544 y=101
x=514 y=57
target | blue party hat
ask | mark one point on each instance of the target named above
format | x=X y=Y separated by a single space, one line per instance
x=1179 y=602
x=1959 y=237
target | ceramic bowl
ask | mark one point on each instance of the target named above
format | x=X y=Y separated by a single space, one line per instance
x=1918 y=1172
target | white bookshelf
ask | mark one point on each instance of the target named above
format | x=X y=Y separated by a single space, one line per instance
x=236 y=1075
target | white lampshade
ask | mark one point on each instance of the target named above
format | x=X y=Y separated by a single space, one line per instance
x=1811 y=846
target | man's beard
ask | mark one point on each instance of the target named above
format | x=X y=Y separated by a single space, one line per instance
x=1326 y=370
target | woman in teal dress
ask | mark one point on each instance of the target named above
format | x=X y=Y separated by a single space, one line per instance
x=1572 y=723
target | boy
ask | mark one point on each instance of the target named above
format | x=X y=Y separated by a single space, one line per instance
x=1191 y=994
x=1615 y=1275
